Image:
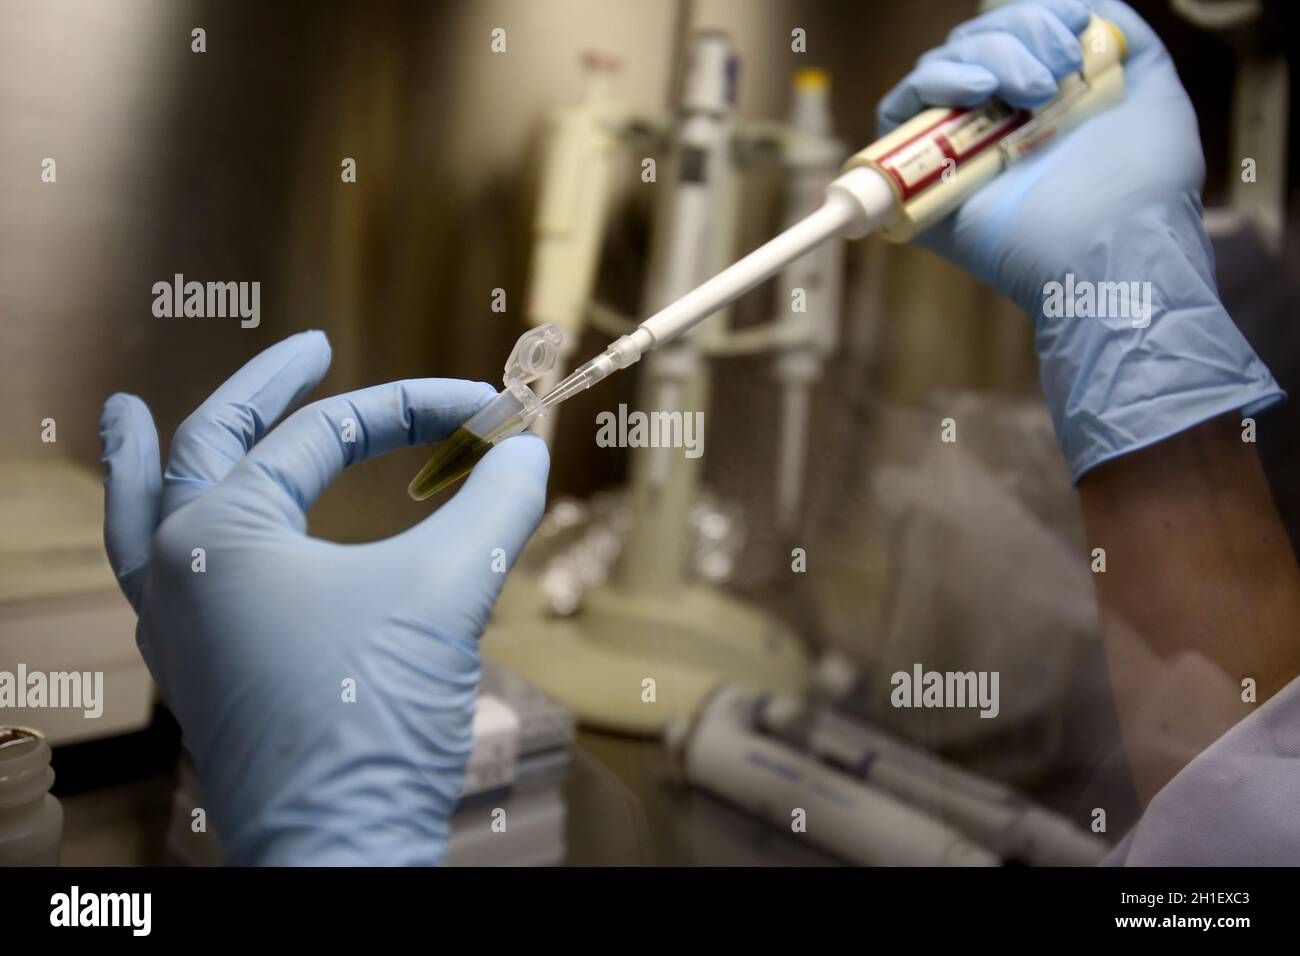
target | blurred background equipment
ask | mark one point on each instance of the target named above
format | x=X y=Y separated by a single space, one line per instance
x=726 y=753
x=60 y=607
x=579 y=159
x=519 y=819
x=811 y=287
x=651 y=618
x=989 y=813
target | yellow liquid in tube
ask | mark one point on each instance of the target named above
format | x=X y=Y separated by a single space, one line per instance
x=451 y=461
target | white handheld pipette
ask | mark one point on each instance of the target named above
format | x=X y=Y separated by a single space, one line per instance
x=898 y=185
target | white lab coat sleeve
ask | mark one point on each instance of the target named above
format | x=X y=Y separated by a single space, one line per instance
x=1236 y=804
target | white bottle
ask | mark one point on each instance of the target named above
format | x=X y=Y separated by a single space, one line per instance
x=31 y=820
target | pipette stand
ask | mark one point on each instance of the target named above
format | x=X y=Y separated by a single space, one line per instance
x=647 y=648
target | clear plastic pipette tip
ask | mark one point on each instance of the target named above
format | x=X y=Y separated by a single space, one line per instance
x=577 y=381
x=623 y=352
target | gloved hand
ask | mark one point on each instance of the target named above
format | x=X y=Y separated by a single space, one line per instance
x=1115 y=199
x=254 y=644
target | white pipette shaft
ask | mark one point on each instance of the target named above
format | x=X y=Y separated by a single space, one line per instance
x=737 y=279
x=857 y=202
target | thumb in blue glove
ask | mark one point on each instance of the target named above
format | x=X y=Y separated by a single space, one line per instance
x=326 y=690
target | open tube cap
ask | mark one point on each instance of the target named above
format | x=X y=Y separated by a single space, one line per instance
x=535 y=354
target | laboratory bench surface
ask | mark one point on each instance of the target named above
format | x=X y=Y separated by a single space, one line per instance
x=626 y=806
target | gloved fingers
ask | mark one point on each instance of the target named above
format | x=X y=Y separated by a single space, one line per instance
x=478 y=534
x=1049 y=30
x=936 y=83
x=1024 y=80
x=290 y=468
x=968 y=71
x=1016 y=53
x=238 y=414
x=132 y=489
x=1025 y=20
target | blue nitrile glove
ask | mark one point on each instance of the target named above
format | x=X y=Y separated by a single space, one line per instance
x=1116 y=199
x=255 y=652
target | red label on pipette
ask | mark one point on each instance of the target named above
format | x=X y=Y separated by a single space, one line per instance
x=950 y=141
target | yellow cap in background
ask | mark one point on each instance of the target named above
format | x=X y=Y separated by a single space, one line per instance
x=812 y=79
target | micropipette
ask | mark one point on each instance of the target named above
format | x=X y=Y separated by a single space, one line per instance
x=899 y=185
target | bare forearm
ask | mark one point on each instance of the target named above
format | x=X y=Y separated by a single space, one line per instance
x=1201 y=591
